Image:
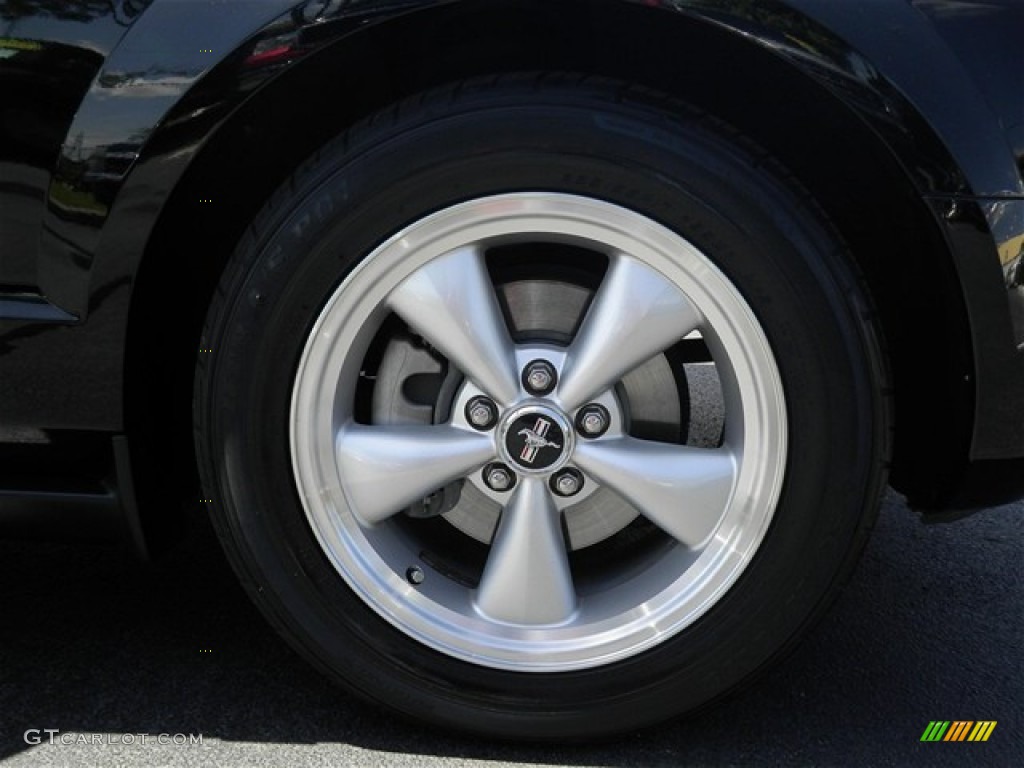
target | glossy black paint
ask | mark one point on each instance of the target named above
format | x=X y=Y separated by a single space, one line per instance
x=105 y=114
x=42 y=79
x=986 y=39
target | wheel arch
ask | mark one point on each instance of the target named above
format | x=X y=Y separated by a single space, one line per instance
x=832 y=150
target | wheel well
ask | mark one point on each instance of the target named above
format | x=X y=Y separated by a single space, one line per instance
x=843 y=165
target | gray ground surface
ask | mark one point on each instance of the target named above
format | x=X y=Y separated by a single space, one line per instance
x=99 y=647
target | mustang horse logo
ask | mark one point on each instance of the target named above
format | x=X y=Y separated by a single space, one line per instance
x=535 y=440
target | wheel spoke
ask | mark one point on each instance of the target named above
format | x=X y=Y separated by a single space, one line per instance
x=636 y=314
x=451 y=302
x=682 y=490
x=527 y=578
x=386 y=468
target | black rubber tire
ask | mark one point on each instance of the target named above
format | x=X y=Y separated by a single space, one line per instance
x=588 y=137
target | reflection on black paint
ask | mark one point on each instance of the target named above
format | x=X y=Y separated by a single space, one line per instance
x=986 y=37
x=40 y=88
x=122 y=12
x=50 y=52
x=1007 y=220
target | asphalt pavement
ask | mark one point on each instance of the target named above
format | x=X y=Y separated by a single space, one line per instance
x=108 y=662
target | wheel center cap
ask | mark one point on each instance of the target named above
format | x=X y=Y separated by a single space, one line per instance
x=536 y=439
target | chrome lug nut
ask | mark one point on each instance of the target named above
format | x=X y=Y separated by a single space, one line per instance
x=568 y=482
x=481 y=413
x=539 y=377
x=593 y=420
x=499 y=477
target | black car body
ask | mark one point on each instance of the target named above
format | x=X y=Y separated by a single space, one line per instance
x=138 y=140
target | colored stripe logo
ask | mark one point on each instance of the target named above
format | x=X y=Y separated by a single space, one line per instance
x=958 y=730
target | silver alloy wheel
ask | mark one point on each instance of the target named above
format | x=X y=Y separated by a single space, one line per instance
x=527 y=613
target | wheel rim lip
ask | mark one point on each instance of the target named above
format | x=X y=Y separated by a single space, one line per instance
x=751 y=386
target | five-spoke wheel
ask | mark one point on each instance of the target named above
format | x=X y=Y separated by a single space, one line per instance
x=531 y=426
